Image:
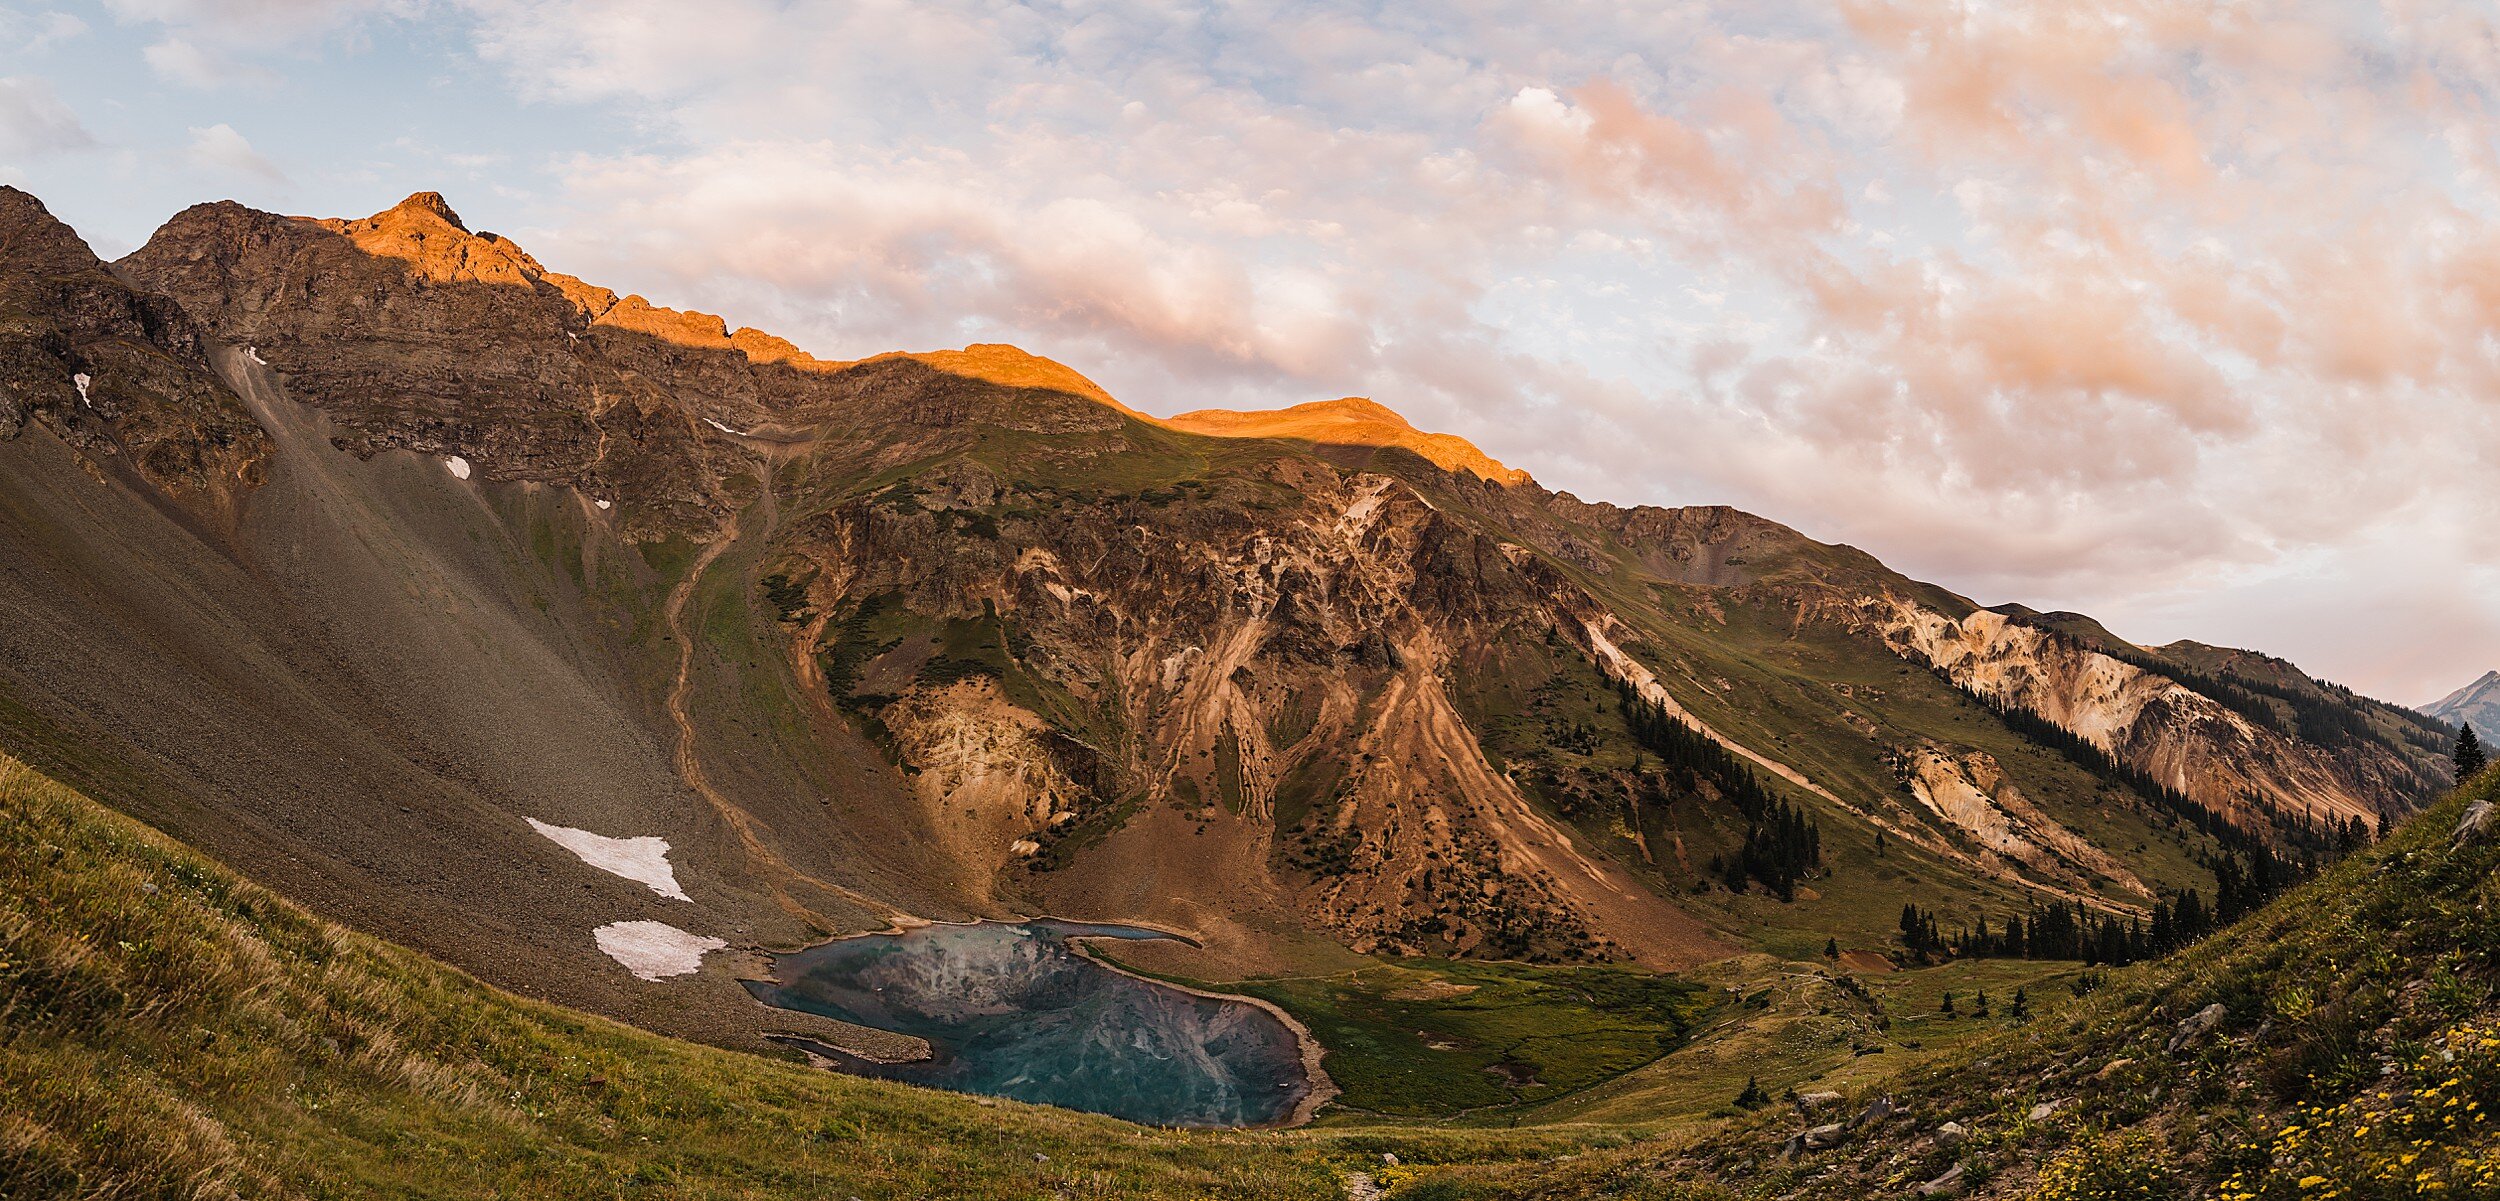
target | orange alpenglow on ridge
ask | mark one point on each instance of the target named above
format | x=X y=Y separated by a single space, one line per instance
x=1353 y=421
x=426 y=233
x=1012 y=367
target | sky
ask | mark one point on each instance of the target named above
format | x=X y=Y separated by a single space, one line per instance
x=2184 y=315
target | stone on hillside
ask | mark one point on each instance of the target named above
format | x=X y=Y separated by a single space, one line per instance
x=1952 y=1132
x=2196 y=1026
x=1949 y=1182
x=2476 y=822
x=1815 y=1100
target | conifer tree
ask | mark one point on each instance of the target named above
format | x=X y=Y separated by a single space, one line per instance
x=2470 y=757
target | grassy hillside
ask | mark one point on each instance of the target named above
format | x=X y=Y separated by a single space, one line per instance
x=2342 y=1043
x=169 y=1030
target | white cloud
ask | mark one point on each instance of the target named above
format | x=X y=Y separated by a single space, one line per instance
x=180 y=61
x=218 y=149
x=35 y=32
x=34 y=122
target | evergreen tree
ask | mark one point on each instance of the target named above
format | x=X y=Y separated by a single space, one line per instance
x=1831 y=948
x=1753 y=1097
x=2022 y=1005
x=2470 y=757
x=1782 y=842
x=1947 y=1008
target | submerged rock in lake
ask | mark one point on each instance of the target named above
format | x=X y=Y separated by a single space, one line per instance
x=1014 y=1011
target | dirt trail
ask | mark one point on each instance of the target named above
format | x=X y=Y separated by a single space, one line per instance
x=689 y=760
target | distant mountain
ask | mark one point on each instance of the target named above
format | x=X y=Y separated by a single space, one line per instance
x=2477 y=703
x=429 y=550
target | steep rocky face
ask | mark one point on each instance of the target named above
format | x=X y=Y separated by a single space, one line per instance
x=1269 y=653
x=118 y=373
x=2255 y=776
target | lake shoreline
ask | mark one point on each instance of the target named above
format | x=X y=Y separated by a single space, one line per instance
x=1319 y=1087
x=1322 y=1088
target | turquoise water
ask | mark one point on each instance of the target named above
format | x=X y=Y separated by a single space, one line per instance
x=1011 y=1010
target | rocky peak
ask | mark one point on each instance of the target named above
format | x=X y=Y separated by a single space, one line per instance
x=33 y=240
x=119 y=374
x=422 y=206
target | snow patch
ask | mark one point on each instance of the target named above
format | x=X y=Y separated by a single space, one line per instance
x=457 y=466
x=641 y=860
x=655 y=950
x=603 y=504
x=253 y=353
x=724 y=429
x=82 y=379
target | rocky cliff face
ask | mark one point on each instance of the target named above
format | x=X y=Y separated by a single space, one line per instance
x=118 y=372
x=1214 y=672
x=2251 y=774
x=1268 y=653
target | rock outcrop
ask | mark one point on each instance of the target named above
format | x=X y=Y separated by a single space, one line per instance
x=117 y=372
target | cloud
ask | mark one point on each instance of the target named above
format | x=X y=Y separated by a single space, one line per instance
x=210 y=44
x=34 y=122
x=218 y=149
x=182 y=62
x=2055 y=301
x=33 y=33
x=257 y=18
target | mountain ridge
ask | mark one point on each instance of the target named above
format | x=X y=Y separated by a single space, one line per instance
x=953 y=637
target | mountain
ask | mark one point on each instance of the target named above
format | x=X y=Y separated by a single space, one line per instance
x=2477 y=704
x=457 y=564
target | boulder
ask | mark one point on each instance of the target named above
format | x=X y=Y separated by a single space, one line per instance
x=2196 y=1026
x=1816 y=1100
x=1950 y=1181
x=2476 y=823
